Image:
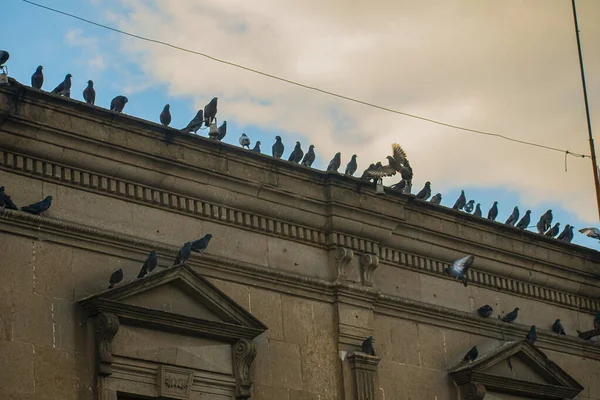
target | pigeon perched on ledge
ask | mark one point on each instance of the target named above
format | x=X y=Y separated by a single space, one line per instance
x=471 y=355
x=256 y=147
x=115 y=278
x=425 y=192
x=335 y=162
x=558 y=328
x=460 y=203
x=39 y=207
x=222 y=131
x=210 y=112
x=485 y=311
x=567 y=234
x=149 y=265
x=469 y=206
x=5 y=201
x=514 y=217
x=118 y=103
x=545 y=222
x=195 y=123
x=437 y=199
x=245 y=141
x=309 y=157
x=37 y=79
x=351 y=166
x=524 y=222
x=165 y=115
x=531 y=335
x=511 y=316
x=553 y=231
x=367 y=346
x=198 y=246
x=493 y=213
x=478 y=212
x=89 y=94
x=297 y=153
x=64 y=88
x=278 y=147
x=183 y=254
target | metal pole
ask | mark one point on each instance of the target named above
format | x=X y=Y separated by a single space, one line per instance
x=587 y=111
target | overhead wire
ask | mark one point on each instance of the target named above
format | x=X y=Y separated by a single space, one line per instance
x=316 y=89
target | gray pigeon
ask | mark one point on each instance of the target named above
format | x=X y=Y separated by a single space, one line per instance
x=149 y=265
x=437 y=199
x=64 y=88
x=89 y=94
x=37 y=79
x=198 y=246
x=210 y=112
x=425 y=192
x=115 y=278
x=558 y=328
x=485 y=311
x=493 y=213
x=195 y=123
x=524 y=222
x=545 y=222
x=469 y=206
x=366 y=174
x=222 y=131
x=245 y=141
x=278 y=147
x=477 y=212
x=567 y=234
x=352 y=166
x=593 y=233
x=183 y=254
x=297 y=153
x=5 y=201
x=553 y=231
x=460 y=202
x=118 y=103
x=309 y=157
x=459 y=269
x=4 y=56
x=39 y=207
x=165 y=115
x=471 y=355
x=367 y=346
x=511 y=316
x=531 y=335
x=514 y=217
x=256 y=147
x=335 y=162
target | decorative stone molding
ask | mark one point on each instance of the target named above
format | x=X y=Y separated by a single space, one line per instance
x=343 y=257
x=364 y=375
x=107 y=326
x=472 y=391
x=368 y=264
x=174 y=382
x=244 y=353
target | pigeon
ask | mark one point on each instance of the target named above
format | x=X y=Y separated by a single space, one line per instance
x=64 y=88
x=4 y=56
x=309 y=157
x=278 y=147
x=245 y=141
x=39 y=207
x=210 y=112
x=514 y=217
x=524 y=222
x=297 y=154
x=118 y=103
x=37 y=79
x=425 y=192
x=459 y=269
x=558 y=328
x=335 y=162
x=351 y=167
x=198 y=246
x=437 y=199
x=469 y=206
x=531 y=335
x=493 y=213
x=471 y=355
x=594 y=233
x=553 y=231
x=596 y=328
x=195 y=123
x=115 y=278
x=5 y=201
x=398 y=162
x=165 y=115
x=477 y=212
x=365 y=175
x=89 y=94
x=149 y=265
x=367 y=346
x=460 y=202
x=511 y=316
x=256 y=147
x=485 y=311
x=222 y=131
x=597 y=321
x=183 y=254
x=545 y=222
x=567 y=234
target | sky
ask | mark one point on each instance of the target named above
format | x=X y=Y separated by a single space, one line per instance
x=508 y=67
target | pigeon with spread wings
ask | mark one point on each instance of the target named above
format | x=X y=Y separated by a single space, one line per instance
x=396 y=163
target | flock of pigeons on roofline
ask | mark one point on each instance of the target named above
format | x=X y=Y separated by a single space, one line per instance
x=397 y=162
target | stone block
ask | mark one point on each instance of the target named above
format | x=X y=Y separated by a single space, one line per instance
x=17 y=375
x=285 y=365
x=6 y=314
x=260 y=369
x=32 y=319
x=321 y=365
x=266 y=306
x=444 y=293
x=299 y=258
x=432 y=347
x=397 y=281
x=55 y=373
x=265 y=392
x=297 y=319
x=238 y=293
x=396 y=340
x=354 y=316
x=17 y=254
x=52 y=269
x=69 y=331
x=299 y=395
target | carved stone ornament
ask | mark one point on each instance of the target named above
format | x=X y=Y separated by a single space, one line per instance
x=368 y=264
x=472 y=391
x=364 y=375
x=107 y=326
x=174 y=382
x=343 y=256
x=243 y=355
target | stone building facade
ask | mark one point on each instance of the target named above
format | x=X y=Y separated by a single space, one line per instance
x=302 y=267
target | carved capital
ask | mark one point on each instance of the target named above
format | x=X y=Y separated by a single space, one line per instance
x=472 y=391
x=107 y=326
x=368 y=264
x=243 y=355
x=343 y=256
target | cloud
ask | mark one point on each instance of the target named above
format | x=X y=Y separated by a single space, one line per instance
x=506 y=67
x=90 y=46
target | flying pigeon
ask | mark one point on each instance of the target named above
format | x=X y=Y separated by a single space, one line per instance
x=39 y=207
x=459 y=269
x=365 y=175
x=89 y=94
x=149 y=265
x=558 y=328
x=425 y=192
x=398 y=162
x=165 y=115
x=460 y=202
x=195 y=123
x=5 y=201
x=222 y=131
x=210 y=112
x=296 y=155
x=309 y=157
x=437 y=199
x=485 y=311
x=351 y=166
x=469 y=206
x=567 y=234
x=64 y=88
x=477 y=212
x=37 y=79
x=531 y=335
x=514 y=217
x=471 y=355
x=278 y=147
x=545 y=222
x=594 y=233
x=245 y=141
x=183 y=254
x=553 y=231
x=115 y=277
x=335 y=162
x=118 y=103
x=198 y=246
x=524 y=222
x=511 y=316
x=256 y=147
x=367 y=346
x=493 y=213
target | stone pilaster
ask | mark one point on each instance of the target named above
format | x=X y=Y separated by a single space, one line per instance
x=364 y=375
